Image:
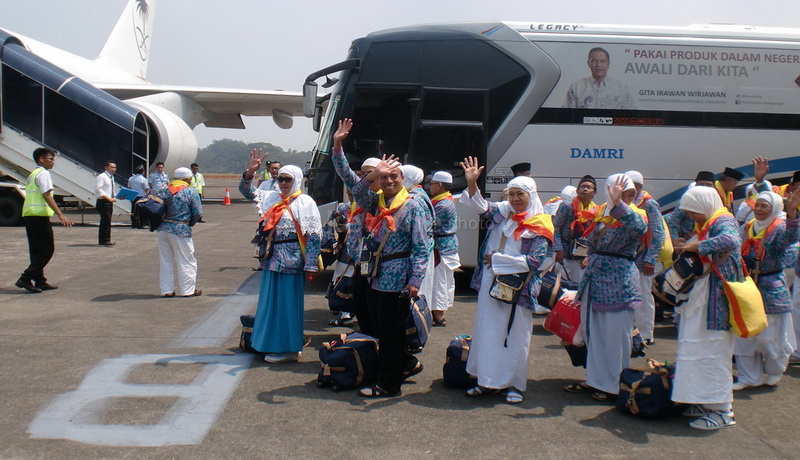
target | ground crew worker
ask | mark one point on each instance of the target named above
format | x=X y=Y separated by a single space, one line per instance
x=37 y=209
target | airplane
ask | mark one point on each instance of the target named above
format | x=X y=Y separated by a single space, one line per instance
x=172 y=112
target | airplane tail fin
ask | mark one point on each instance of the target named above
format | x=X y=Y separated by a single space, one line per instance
x=128 y=45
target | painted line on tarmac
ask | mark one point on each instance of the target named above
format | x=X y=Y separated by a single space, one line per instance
x=77 y=415
x=73 y=415
x=216 y=326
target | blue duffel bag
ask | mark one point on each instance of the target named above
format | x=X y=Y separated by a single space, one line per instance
x=247 y=333
x=454 y=370
x=349 y=362
x=647 y=393
x=418 y=324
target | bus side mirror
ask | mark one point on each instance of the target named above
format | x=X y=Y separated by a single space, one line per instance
x=309 y=99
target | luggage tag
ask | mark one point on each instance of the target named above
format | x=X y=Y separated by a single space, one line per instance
x=580 y=248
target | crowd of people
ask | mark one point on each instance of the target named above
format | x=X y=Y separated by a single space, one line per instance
x=396 y=243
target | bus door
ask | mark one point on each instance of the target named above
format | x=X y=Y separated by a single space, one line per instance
x=448 y=125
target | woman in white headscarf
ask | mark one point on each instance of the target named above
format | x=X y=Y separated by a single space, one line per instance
x=705 y=341
x=518 y=238
x=609 y=290
x=766 y=238
x=290 y=220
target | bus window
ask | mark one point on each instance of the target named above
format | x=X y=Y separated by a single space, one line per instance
x=451 y=125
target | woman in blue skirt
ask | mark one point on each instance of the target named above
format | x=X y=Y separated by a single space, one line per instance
x=291 y=221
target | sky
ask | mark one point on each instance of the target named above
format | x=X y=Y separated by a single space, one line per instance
x=265 y=44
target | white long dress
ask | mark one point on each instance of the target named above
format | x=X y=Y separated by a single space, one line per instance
x=703 y=366
x=497 y=366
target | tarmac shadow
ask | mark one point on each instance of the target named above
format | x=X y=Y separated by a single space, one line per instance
x=310 y=391
x=83 y=245
x=123 y=297
x=637 y=430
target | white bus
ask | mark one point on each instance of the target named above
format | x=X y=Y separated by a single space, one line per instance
x=572 y=99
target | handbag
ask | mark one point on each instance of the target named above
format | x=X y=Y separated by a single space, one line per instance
x=507 y=288
x=565 y=318
x=748 y=317
x=672 y=286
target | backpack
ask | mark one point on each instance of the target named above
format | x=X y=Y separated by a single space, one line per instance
x=155 y=208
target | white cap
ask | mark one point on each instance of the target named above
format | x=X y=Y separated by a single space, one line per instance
x=370 y=162
x=635 y=176
x=182 y=173
x=443 y=176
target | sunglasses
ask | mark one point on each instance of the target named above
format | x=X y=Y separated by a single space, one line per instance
x=284 y=179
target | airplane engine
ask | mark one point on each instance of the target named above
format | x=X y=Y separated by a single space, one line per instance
x=171 y=139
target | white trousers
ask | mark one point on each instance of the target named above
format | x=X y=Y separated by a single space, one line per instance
x=444 y=285
x=177 y=253
x=796 y=315
x=645 y=316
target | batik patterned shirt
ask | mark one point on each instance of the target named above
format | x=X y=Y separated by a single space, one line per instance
x=657 y=235
x=183 y=211
x=611 y=274
x=723 y=240
x=445 y=227
x=410 y=236
x=773 y=287
x=535 y=250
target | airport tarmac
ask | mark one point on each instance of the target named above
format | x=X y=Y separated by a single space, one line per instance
x=105 y=368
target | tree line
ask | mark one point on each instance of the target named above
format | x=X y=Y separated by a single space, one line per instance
x=229 y=156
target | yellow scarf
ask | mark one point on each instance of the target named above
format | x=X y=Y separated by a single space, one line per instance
x=385 y=213
x=541 y=224
x=703 y=231
x=726 y=197
x=442 y=196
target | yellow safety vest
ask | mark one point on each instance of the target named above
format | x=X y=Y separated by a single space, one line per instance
x=35 y=204
x=197 y=183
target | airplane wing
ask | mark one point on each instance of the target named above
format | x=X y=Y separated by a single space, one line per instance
x=227 y=105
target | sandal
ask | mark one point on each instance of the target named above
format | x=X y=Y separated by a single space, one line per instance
x=513 y=396
x=377 y=392
x=196 y=293
x=714 y=420
x=478 y=390
x=602 y=396
x=341 y=322
x=439 y=322
x=414 y=371
x=171 y=294
x=578 y=387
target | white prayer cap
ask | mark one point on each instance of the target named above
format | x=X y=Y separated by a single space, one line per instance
x=443 y=176
x=371 y=162
x=636 y=177
x=182 y=173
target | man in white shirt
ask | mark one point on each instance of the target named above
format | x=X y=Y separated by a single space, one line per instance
x=598 y=91
x=270 y=177
x=37 y=209
x=104 y=189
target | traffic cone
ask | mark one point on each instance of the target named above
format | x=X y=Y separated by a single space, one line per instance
x=227 y=200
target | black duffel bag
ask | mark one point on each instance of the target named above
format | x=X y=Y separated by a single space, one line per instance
x=647 y=393
x=553 y=287
x=349 y=362
x=454 y=370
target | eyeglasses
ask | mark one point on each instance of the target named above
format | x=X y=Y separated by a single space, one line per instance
x=284 y=179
